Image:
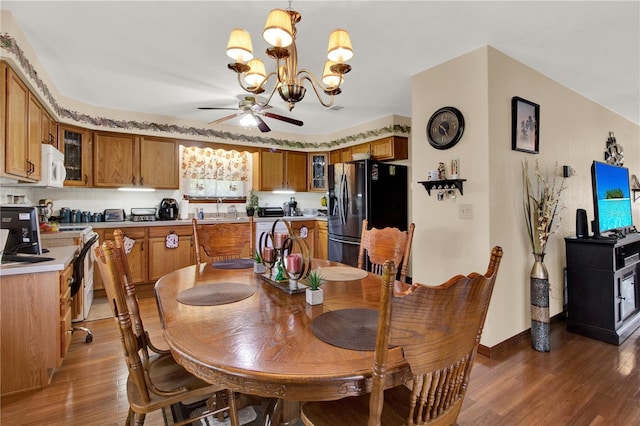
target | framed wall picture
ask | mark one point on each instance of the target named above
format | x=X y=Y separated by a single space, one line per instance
x=525 y=125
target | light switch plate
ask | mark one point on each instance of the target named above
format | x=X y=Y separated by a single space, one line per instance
x=465 y=211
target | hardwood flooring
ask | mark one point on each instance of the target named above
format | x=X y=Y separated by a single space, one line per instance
x=580 y=382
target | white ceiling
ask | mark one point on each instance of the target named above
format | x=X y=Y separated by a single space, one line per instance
x=168 y=57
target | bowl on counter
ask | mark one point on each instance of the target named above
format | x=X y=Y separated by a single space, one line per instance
x=310 y=212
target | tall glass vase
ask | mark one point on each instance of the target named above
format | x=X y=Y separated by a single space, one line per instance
x=539 y=305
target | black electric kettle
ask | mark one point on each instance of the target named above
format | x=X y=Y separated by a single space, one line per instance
x=168 y=209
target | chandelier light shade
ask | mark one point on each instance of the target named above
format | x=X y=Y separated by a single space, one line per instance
x=256 y=74
x=280 y=32
x=339 y=49
x=239 y=46
x=330 y=78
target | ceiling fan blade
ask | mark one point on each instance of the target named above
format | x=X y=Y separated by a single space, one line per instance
x=283 y=118
x=262 y=125
x=228 y=117
x=230 y=109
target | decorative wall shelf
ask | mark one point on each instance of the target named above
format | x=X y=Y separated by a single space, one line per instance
x=636 y=194
x=443 y=184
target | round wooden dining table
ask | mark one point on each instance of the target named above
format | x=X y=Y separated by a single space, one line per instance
x=264 y=345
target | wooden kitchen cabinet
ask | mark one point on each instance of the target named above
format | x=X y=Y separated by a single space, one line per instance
x=391 y=148
x=34 y=144
x=385 y=149
x=114 y=162
x=159 y=163
x=345 y=154
x=122 y=159
x=75 y=144
x=163 y=260
x=49 y=130
x=30 y=333
x=363 y=148
x=66 y=330
x=317 y=168
x=137 y=257
x=322 y=240
x=22 y=128
x=282 y=170
x=296 y=226
x=334 y=157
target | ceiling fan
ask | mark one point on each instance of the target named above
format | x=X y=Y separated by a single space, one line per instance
x=249 y=107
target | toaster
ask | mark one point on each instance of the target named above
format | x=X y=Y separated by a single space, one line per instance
x=114 y=215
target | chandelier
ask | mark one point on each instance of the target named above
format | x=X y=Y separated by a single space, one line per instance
x=280 y=32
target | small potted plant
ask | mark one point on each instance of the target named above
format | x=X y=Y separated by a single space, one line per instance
x=258 y=266
x=314 y=293
x=252 y=203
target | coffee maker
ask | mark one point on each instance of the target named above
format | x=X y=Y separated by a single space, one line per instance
x=168 y=209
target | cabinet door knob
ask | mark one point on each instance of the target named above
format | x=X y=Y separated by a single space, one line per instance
x=141 y=181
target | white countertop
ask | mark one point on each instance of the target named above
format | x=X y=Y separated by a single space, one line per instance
x=62 y=257
x=206 y=220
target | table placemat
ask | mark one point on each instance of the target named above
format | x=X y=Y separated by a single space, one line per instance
x=342 y=273
x=215 y=294
x=348 y=328
x=233 y=264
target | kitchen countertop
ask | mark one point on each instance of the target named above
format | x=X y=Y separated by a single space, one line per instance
x=62 y=257
x=187 y=222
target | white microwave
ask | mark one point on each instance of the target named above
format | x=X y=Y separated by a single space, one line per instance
x=53 y=171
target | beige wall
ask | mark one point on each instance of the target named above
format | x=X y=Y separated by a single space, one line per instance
x=573 y=131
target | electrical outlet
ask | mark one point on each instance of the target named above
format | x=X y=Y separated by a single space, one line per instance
x=465 y=211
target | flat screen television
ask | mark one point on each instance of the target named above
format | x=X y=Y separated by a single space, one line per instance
x=24 y=230
x=611 y=199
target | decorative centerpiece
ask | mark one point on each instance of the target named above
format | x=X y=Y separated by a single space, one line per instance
x=314 y=293
x=541 y=211
x=287 y=259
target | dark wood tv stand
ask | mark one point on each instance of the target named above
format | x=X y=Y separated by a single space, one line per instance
x=603 y=287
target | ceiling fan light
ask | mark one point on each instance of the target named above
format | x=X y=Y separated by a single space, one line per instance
x=330 y=78
x=256 y=74
x=339 y=49
x=239 y=47
x=278 y=30
x=248 y=120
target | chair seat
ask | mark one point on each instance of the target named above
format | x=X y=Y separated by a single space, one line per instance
x=167 y=375
x=354 y=411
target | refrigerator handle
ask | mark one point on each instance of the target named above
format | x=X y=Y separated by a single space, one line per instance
x=344 y=199
x=336 y=240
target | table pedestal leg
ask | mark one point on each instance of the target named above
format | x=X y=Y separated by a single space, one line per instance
x=279 y=412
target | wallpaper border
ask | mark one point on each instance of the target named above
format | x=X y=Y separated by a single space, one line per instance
x=9 y=44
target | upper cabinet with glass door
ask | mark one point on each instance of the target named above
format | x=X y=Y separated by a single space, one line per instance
x=76 y=145
x=318 y=162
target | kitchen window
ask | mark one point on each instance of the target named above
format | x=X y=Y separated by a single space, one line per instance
x=208 y=173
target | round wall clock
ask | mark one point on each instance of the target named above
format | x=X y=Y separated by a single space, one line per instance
x=445 y=127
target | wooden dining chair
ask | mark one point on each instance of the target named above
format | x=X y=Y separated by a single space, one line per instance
x=223 y=241
x=157 y=381
x=438 y=329
x=378 y=245
x=132 y=298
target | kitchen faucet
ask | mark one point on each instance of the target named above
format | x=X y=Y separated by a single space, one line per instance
x=218 y=206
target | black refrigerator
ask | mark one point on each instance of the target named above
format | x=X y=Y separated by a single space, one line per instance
x=360 y=190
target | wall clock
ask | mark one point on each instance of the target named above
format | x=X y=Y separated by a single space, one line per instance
x=445 y=128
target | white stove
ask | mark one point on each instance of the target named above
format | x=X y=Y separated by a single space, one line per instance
x=77 y=234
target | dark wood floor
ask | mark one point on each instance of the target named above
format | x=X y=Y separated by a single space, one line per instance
x=580 y=382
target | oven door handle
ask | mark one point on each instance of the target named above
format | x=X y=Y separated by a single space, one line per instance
x=78 y=265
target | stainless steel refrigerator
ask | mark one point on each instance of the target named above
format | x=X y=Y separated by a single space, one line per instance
x=360 y=190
